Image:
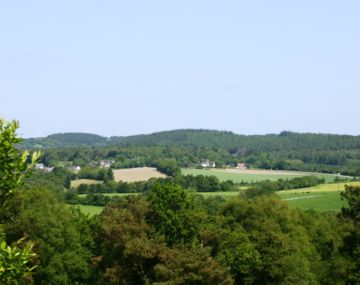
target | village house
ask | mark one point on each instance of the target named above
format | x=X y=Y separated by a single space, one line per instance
x=75 y=168
x=106 y=163
x=41 y=166
x=208 y=163
x=241 y=166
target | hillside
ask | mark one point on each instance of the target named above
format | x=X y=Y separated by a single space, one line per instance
x=205 y=138
x=287 y=150
x=65 y=140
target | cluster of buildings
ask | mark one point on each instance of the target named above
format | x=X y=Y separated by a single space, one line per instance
x=41 y=166
x=208 y=164
x=211 y=164
x=75 y=168
x=241 y=166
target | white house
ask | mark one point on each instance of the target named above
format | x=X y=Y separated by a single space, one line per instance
x=106 y=163
x=208 y=163
x=48 y=169
x=241 y=166
x=39 y=166
x=76 y=168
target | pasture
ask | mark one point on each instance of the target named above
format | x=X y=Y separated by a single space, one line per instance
x=137 y=174
x=322 y=198
x=319 y=201
x=89 y=210
x=330 y=187
x=225 y=195
x=239 y=176
x=112 y=194
x=75 y=183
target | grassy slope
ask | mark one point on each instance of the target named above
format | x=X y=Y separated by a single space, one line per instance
x=90 y=210
x=322 y=188
x=323 y=198
x=75 y=183
x=320 y=201
x=111 y=194
x=238 y=177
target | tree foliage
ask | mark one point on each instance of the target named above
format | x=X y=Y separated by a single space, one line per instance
x=173 y=212
x=13 y=163
x=14 y=260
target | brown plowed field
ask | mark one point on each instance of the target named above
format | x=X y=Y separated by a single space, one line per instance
x=136 y=174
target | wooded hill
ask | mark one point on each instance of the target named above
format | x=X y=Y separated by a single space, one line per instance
x=205 y=138
x=287 y=150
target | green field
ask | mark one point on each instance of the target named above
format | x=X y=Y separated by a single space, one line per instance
x=90 y=210
x=318 y=201
x=322 y=188
x=112 y=194
x=322 y=198
x=241 y=177
x=75 y=183
x=225 y=195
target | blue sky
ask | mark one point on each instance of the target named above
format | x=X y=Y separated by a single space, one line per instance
x=129 y=67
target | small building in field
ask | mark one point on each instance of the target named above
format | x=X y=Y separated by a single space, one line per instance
x=241 y=166
x=208 y=164
x=76 y=168
x=106 y=163
x=39 y=166
x=48 y=169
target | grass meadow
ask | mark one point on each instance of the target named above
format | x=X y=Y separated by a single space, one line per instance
x=89 y=210
x=254 y=176
x=321 y=198
x=75 y=183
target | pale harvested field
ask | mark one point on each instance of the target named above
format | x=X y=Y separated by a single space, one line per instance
x=253 y=175
x=75 y=183
x=137 y=174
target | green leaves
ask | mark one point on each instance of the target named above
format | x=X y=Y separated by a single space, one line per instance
x=173 y=213
x=13 y=164
x=14 y=262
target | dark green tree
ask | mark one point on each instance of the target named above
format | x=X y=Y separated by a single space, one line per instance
x=351 y=215
x=174 y=213
x=62 y=239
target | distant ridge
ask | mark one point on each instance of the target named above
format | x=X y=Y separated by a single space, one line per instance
x=65 y=140
x=227 y=140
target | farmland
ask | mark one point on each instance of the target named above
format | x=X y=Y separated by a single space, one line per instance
x=90 y=210
x=113 y=194
x=322 y=198
x=75 y=183
x=239 y=176
x=136 y=174
x=331 y=187
x=320 y=201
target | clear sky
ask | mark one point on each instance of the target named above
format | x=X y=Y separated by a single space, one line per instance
x=129 y=67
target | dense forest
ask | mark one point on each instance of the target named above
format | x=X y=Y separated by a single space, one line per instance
x=167 y=234
x=206 y=138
